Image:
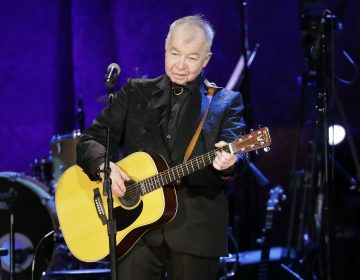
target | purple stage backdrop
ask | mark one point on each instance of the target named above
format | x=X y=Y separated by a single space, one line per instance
x=55 y=52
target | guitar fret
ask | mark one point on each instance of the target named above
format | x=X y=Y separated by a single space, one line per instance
x=145 y=188
x=168 y=177
x=171 y=177
x=177 y=170
x=148 y=185
x=197 y=162
x=163 y=177
x=142 y=187
x=153 y=181
x=201 y=161
x=173 y=172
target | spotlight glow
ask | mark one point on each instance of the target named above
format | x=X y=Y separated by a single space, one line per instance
x=336 y=134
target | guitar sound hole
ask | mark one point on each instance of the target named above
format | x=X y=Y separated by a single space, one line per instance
x=132 y=194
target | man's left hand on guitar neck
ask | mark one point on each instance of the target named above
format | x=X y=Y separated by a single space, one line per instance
x=224 y=161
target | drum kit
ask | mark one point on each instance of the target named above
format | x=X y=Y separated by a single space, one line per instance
x=33 y=238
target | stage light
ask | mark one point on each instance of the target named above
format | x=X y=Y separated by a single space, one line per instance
x=336 y=134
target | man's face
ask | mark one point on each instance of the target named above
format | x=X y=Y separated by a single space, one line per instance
x=185 y=54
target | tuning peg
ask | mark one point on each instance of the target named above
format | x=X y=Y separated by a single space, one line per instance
x=266 y=149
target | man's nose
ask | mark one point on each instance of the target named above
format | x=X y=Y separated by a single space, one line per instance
x=181 y=63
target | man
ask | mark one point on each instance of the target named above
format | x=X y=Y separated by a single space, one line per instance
x=161 y=115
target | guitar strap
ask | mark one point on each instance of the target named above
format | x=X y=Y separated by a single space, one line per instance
x=210 y=93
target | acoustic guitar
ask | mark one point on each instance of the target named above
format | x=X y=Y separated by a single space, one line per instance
x=150 y=199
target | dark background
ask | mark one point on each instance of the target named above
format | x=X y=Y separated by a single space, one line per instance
x=54 y=52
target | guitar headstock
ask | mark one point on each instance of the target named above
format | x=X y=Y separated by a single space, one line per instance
x=255 y=140
x=276 y=195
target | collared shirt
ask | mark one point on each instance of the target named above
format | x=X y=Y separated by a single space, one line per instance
x=178 y=104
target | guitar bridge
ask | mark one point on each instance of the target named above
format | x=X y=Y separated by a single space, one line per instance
x=99 y=205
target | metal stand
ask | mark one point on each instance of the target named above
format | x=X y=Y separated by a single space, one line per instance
x=8 y=198
x=113 y=71
x=12 y=240
x=111 y=223
x=313 y=243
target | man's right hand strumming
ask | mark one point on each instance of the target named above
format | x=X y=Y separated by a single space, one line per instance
x=118 y=177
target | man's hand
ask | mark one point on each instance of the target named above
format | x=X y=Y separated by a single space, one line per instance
x=117 y=177
x=223 y=160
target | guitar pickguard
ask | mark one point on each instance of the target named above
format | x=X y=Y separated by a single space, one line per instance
x=125 y=217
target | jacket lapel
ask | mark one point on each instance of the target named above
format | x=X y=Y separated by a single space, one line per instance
x=159 y=105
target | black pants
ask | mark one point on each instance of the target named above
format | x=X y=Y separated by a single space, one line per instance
x=157 y=263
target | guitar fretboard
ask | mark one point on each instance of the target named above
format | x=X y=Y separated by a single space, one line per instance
x=177 y=172
x=247 y=143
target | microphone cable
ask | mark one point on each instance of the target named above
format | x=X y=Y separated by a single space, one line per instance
x=36 y=251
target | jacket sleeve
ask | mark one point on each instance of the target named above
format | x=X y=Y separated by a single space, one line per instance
x=90 y=150
x=232 y=128
x=224 y=122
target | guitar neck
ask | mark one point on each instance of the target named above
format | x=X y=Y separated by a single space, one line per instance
x=255 y=140
x=177 y=172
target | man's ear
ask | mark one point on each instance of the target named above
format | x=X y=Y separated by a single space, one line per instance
x=207 y=58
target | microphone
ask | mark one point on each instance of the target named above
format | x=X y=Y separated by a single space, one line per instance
x=113 y=71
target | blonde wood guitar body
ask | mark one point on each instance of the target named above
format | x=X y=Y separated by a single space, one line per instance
x=83 y=229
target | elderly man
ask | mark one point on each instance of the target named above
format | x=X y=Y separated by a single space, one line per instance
x=161 y=115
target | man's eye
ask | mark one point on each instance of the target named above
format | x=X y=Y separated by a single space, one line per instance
x=173 y=53
x=192 y=58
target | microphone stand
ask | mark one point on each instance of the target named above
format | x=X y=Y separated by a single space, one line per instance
x=80 y=114
x=245 y=83
x=326 y=189
x=111 y=222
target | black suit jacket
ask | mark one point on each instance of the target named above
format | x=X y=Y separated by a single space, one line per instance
x=138 y=115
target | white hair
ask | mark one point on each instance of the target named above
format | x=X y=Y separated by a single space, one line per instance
x=196 y=20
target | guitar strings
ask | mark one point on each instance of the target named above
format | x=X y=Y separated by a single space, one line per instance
x=164 y=176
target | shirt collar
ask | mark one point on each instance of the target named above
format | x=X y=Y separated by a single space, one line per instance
x=191 y=86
